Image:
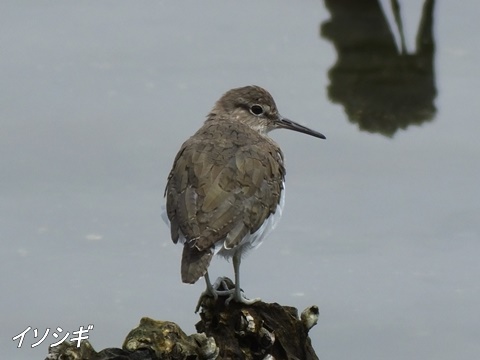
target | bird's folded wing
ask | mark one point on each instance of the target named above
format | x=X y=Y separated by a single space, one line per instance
x=222 y=194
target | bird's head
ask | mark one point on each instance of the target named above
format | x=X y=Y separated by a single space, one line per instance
x=255 y=107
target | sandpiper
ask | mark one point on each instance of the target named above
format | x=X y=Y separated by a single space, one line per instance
x=226 y=190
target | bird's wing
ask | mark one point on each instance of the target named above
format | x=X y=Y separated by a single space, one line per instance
x=222 y=193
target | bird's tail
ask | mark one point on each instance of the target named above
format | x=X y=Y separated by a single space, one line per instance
x=194 y=263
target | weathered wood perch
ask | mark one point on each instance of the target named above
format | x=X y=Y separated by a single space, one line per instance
x=237 y=331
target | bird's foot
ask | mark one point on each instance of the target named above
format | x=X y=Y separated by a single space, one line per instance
x=239 y=297
x=206 y=294
x=223 y=286
x=202 y=297
x=234 y=293
x=213 y=291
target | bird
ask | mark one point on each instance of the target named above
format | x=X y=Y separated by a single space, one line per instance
x=226 y=189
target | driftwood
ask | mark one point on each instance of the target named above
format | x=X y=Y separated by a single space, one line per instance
x=237 y=331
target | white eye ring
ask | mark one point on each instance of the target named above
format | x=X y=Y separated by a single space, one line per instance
x=256 y=110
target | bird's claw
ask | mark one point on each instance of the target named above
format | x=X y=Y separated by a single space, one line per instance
x=203 y=295
x=212 y=291
x=232 y=292
x=223 y=286
x=240 y=298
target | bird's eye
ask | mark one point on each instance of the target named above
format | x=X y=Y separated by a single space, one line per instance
x=256 y=110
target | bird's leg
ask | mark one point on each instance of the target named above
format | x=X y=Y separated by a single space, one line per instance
x=212 y=290
x=237 y=294
x=222 y=282
x=209 y=291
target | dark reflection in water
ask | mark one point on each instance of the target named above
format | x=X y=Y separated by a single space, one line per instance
x=383 y=89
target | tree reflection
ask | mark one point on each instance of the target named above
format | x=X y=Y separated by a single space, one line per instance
x=381 y=87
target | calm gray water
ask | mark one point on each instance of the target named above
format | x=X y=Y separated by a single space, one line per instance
x=381 y=226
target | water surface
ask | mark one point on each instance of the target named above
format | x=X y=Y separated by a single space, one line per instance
x=381 y=225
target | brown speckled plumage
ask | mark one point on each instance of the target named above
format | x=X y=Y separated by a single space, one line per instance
x=227 y=179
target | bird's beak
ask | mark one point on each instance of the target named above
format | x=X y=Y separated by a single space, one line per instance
x=285 y=123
